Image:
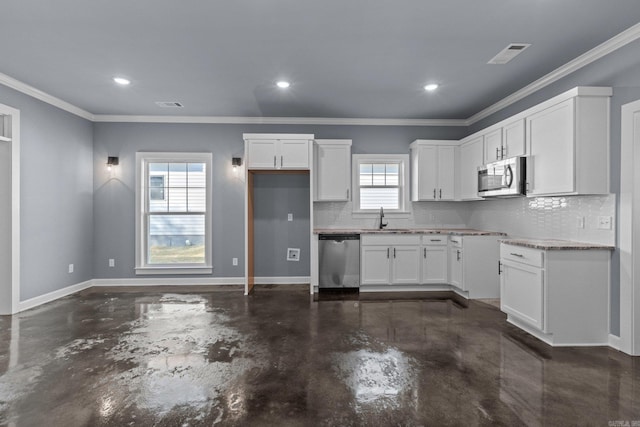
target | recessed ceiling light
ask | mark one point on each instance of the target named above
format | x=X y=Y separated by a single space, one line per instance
x=283 y=84
x=121 y=81
x=431 y=87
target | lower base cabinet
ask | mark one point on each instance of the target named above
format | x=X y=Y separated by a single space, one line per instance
x=559 y=296
x=472 y=268
x=390 y=260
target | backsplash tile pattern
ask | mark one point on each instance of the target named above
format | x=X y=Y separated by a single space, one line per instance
x=546 y=217
x=522 y=217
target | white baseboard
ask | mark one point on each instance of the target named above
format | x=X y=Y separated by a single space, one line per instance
x=164 y=281
x=283 y=280
x=52 y=296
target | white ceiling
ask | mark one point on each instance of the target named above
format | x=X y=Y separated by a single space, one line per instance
x=344 y=58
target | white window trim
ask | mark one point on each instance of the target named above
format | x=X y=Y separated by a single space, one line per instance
x=403 y=159
x=142 y=158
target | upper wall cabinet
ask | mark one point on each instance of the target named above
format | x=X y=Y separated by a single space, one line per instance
x=568 y=145
x=433 y=170
x=277 y=151
x=505 y=141
x=471 y=156
x=332 y=159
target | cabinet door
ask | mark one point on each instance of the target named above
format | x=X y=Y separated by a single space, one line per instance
x=493 y=146
x=262 y=154
x=455 y=267
x=375 y=265
x=333 y=172
x=428 y=173
x=434 y=264
x=471 y=156
x=551 y=146
x=522 y=293
x=513 y=139
x=446 y=172
x=406 y=265
x=294 y=154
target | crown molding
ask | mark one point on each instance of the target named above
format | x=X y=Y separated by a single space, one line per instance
x=616 y=42
x=279 y=120
x=43 y=96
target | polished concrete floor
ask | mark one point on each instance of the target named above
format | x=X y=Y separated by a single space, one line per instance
x=207 y=357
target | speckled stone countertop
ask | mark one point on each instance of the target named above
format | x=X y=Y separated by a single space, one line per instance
x=555 y=244
x=448 y=231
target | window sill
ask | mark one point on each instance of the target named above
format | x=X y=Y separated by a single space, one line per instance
x=173 y=270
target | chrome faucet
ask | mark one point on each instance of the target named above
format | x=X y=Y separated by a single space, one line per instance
x=382 y=224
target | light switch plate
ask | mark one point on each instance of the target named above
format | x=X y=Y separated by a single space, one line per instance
x=70 y=268
x=290 y=217
x=234 y=261
x=112 y=262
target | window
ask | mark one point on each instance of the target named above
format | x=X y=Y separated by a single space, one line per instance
x=380 y=181
x=173 y=218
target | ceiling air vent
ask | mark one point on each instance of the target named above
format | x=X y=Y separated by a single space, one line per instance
x=508 y=53
x=169 y=104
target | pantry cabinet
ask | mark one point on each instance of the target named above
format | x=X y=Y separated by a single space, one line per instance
x=332 y=169
x=433 y=170
x=278 y=151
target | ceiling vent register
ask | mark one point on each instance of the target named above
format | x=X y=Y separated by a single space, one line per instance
x=508 y=53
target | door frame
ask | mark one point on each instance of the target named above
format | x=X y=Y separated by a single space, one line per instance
x=629 y=231
x=14 y=132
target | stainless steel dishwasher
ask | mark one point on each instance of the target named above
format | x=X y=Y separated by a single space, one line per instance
x=339 y=261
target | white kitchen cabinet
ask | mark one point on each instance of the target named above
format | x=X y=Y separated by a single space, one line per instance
x=560 y=296
x=332 y=169
x=568 y=146
x=433 y=170
x=434 y=259
x=390 y=259
x=471 y=156
x=278 y=151
x=472 y=265
x=505 y=141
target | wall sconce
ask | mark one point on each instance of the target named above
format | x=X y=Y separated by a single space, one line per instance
x=112 y=161
x=236 y=162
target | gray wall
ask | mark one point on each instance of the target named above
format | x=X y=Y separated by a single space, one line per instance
x=274 y=197
x=620 y=70
x=114 y=197
x=56 y=181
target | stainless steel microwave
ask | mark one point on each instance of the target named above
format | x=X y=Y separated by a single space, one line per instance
x=504 y=178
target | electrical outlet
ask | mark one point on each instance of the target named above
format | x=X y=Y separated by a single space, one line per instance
x=70 y=268
x=235 y=261
x=112 y=262
x=580 y=222
x=604 y=223
x=290 y=217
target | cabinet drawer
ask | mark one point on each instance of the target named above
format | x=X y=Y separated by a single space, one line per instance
x=528 y=256
x=390 y=239
x=434 y=240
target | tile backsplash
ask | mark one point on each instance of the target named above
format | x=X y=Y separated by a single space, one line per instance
x=540 y=218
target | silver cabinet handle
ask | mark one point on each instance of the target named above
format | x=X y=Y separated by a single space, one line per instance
x=434 y=193
x=436 y=240
x=441 y=193
x=394 y=252
x=425 y=253
x=387 y=253
x=457 y=255
x=347 y=194
x=274 y=161
x=503 y=151
x=497 y=155
x=499 y=268
x=281 y=161
x=518 y=255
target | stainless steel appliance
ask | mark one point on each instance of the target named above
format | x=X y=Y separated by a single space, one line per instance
x=339 y=262
x=504 y=178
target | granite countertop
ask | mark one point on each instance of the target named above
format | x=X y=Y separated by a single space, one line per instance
x=551 y=244
x=447 y=231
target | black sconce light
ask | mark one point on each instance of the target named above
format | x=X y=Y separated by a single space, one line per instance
x=112 y=161
x=236 y=162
